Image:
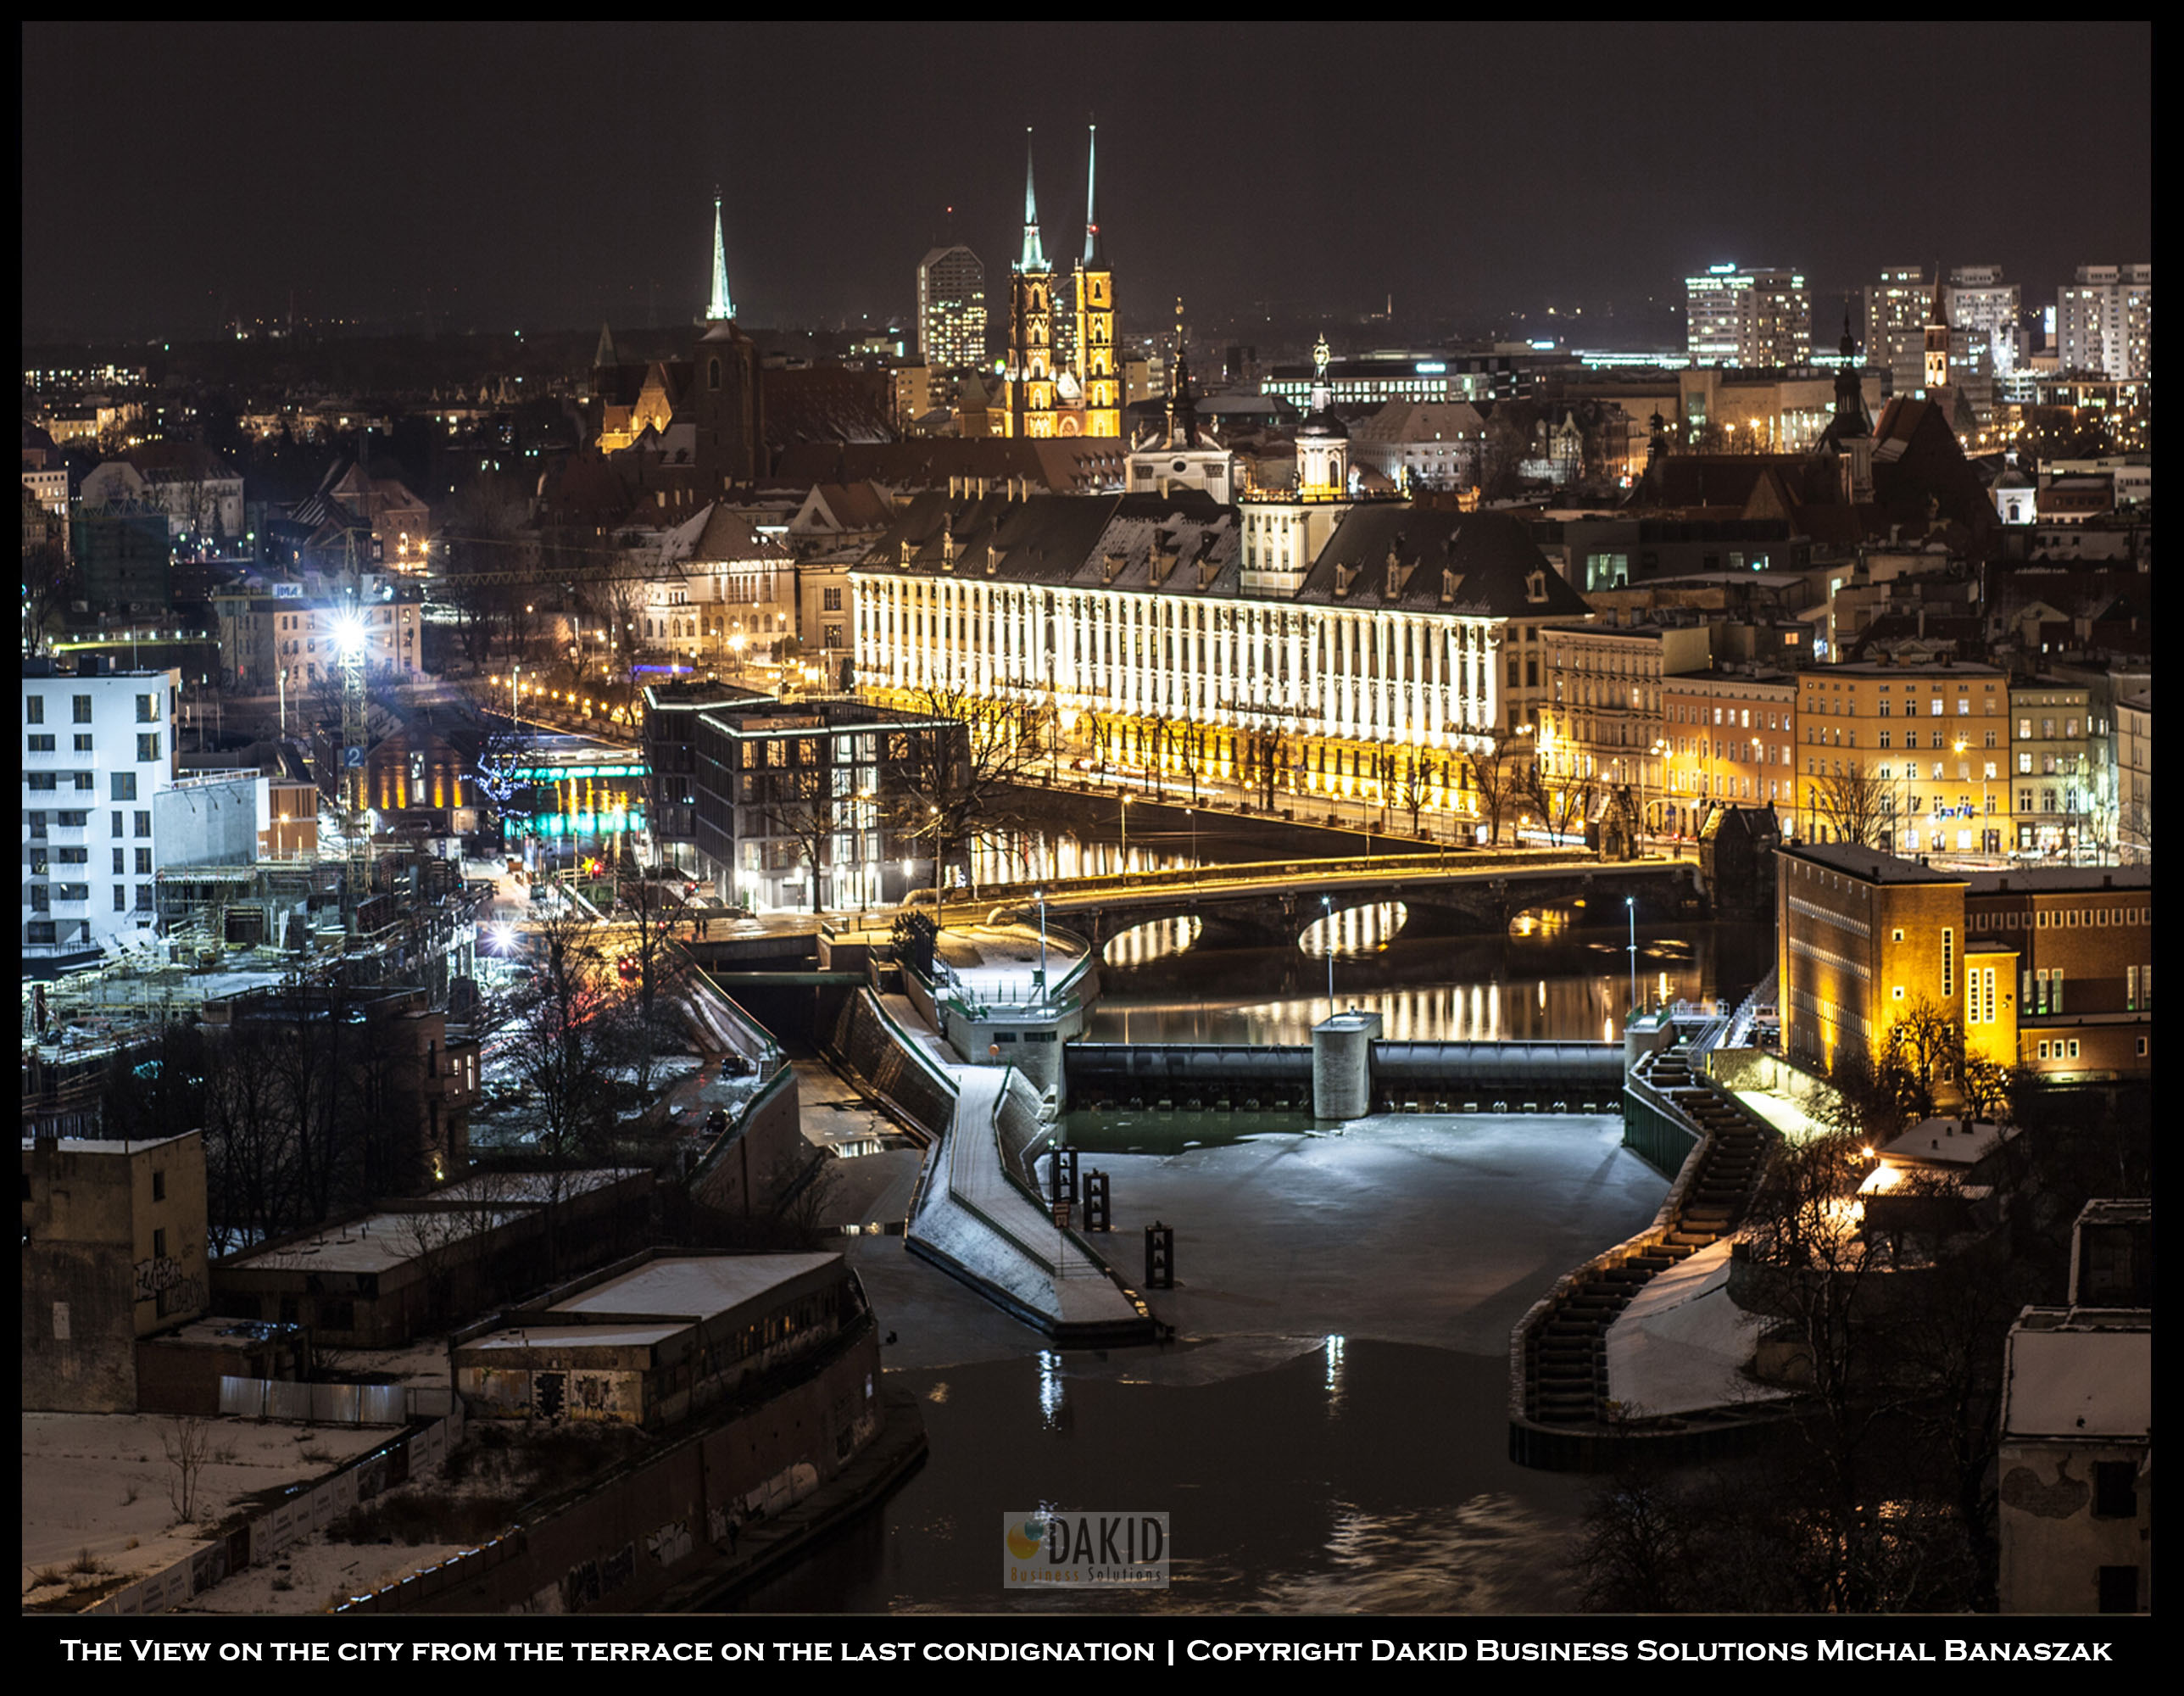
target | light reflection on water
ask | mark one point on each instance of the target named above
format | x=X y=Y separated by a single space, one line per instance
x=1556 y=984
x=1362 y=1475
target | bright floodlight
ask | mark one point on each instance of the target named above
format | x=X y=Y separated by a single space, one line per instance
x=350 y=636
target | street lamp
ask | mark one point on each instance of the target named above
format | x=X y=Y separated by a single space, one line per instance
x=1630 y=907
x=934 y=812
x=1039 y=896
x=1327 y=941
x=1191 y=813
x=1126 y=835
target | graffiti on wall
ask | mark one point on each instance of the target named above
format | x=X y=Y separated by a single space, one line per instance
x=160 y=1276
x=670 y=1543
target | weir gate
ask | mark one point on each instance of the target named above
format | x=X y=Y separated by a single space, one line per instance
x=1420 y=1077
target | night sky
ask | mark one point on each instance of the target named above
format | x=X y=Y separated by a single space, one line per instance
x=548 y=177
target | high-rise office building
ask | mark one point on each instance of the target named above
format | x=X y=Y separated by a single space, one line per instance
x=1987 y=310
x=1760 y=317
x=2104 y=321
x=1895 y=309
x=951 y=310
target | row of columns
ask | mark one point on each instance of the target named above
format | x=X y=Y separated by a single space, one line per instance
x=1363 y=675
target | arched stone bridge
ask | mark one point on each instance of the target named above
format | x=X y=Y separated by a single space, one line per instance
x=1249 y=907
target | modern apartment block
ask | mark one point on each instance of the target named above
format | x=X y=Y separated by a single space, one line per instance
x=98 y=745
x=2105 y=322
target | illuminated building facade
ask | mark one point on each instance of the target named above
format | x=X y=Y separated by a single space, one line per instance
x=1895 y=310
x=1862 y=938
x=1061 y=377
x=1932 y=740
x=1302 y=642
x=1731 y=737
x=1988 y=310
x=2105 y=322
x=1029 y=411
x=1761 y=317
x=1098 y=383
x=2051 y=969
x=1601 y=721
x=952 y=311
x=98 y=747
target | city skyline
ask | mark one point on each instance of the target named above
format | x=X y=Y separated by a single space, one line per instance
x=544 y=180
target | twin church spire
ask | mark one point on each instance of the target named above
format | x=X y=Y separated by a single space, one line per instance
x=1071 y=389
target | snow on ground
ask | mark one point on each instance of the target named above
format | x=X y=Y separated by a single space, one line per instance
x=1681 y=1344
x=100 y=1482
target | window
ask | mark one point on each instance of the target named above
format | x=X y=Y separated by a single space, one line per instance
x=1896 y=993
x=143 y=898
x=41 y=745
x=147 y=747
x=1937 y=706
x=83 y=742
x=158 y=1186
x=40 y=780
x=34 y=709
x=147 y=709
x=143 y=862
x=82 y=709
x=120 y=868
x=124 y=785
x=1948 y=962
x=830 y=600
x=143 y=823
x=117 y=824
x=2119 y=1589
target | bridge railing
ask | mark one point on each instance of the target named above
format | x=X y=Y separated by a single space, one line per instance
x=1447 y=860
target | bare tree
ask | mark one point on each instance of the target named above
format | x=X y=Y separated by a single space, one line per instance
x=50 y=582
x=482 y=527
x=1856 y=806
x=567 y=1038
x=1562 y=803
x=1928 y=1046
x=616 y=591
x=1411 y=783
x=651 y=908
x=188 y=1443
x=800 y=804
x=953 y=781
x=1496 y=773
x=1262 y=759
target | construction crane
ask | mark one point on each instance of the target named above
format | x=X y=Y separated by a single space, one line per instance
x=352 y=642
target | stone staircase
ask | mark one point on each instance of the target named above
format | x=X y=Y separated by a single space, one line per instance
x=1566 y=1353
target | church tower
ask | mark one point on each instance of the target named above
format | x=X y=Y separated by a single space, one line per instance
x=1097 y=379
x=723 y=402
x=1031 y=411
x=1937 y=339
